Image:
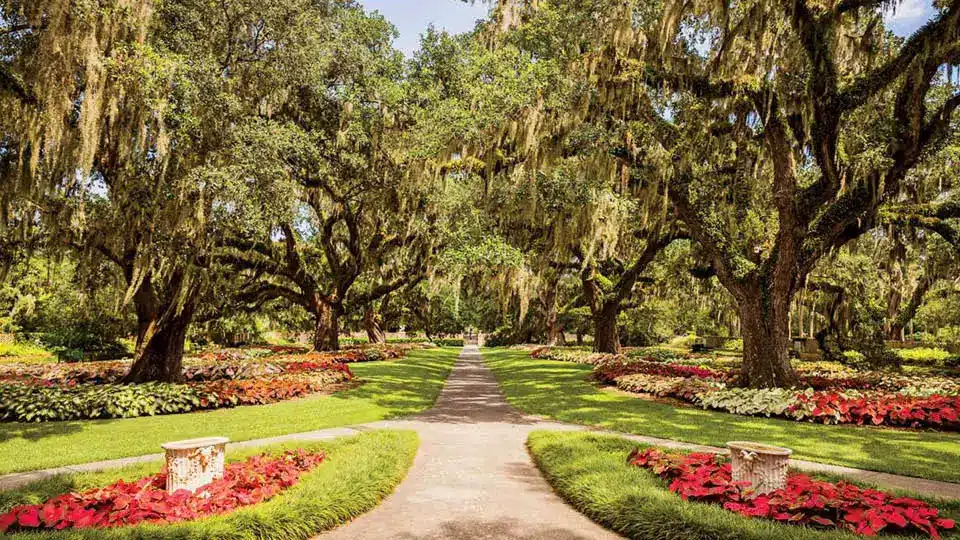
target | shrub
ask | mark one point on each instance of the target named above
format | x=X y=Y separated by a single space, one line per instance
x=655 y=354
x=708 y=478
x=86 y=339
x=925 y=356
x=733 y=345
x=449 y=342
x=20 y=350
x=576 y=355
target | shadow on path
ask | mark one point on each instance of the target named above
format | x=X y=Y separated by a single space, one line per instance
x=472 y=477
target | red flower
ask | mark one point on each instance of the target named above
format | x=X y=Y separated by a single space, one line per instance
x=253 y=481
x=703 y=477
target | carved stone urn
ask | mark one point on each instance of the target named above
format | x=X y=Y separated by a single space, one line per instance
x=194 y=463
x=764 y=466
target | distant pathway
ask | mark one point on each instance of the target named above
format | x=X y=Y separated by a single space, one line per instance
x=472 y=477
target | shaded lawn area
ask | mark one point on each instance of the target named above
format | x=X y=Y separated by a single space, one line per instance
x=562 y=391
x=391 y=389
x=590 y=471
x=358 y=473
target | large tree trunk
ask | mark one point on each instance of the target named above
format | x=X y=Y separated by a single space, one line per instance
x=373 y=324
x=606 y=335
x=161 y=356
x=326 y=335
x=766 y=340
x=148 y=310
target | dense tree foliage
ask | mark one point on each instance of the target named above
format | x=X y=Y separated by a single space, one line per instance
x=627 y=170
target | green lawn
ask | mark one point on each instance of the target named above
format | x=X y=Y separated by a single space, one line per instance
x=25 y=353
x=392 y=389
x=591 y=473
x=561 y=391
x=358 y=473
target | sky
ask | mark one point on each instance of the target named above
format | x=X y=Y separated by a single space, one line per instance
x=411 y=17
x=910 y=15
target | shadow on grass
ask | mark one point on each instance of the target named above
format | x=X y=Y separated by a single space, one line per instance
x=561 y=391
x=405 y=387
x=36 y=432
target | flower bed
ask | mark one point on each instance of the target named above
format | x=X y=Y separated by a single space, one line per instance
x=851 y=407
x=608 y=372
x=44 y=403
x=250 y=482
x=567 y=354
x=229 y=364
x=805 y=501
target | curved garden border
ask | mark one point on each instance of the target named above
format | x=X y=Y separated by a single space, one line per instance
x=358 y=473
x=591 y=473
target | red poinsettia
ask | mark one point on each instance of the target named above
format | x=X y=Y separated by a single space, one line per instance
x=707 y=478
x=127 y=503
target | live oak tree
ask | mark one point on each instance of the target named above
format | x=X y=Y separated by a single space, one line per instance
x=362 y=211
x=759 y=107
x=558 y=182
x=156 y=195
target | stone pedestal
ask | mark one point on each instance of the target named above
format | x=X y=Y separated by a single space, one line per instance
x=764 y=466
x=195 y=463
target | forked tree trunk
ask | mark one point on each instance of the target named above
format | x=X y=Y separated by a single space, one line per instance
x=766 y=340
x=161 y=357
x=326 y=335
x=373 y=324
x=606 y=335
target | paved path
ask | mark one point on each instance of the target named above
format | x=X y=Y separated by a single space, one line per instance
x=472 y=477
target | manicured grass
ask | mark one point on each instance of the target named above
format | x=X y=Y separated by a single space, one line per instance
x=358 y=473
x=562 y=391
x=392 y=389
x=591 y=473
x=25 y=353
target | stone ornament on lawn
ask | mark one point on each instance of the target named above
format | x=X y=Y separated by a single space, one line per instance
x=194 y=463
x=764 y=466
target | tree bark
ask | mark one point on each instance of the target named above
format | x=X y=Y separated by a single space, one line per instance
x=326 y=335
x=373 y=324
x=161 y=357
x=606 y=335
x=766 y=340
x=551 y=318
x=909 y=311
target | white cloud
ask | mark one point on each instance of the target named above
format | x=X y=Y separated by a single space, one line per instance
x=908 y=11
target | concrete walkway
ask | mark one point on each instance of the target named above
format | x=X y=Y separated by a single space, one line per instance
x=472 y=477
